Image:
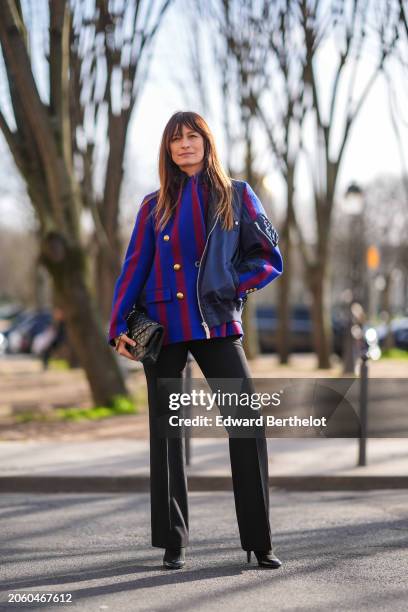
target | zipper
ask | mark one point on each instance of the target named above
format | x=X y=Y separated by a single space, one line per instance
x=266 y=235
x=204 y=322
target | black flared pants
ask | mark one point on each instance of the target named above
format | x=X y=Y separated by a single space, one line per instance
x=217 y=358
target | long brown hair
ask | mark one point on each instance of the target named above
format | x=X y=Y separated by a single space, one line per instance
x=172 y=178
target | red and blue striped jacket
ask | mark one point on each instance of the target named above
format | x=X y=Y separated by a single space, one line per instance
x=161 y=269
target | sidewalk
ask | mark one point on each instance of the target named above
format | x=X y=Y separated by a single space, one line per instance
x=113 y=454
x=123 y=465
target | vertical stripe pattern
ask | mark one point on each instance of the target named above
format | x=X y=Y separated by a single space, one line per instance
x=160 y=268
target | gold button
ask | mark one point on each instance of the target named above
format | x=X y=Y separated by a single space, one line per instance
x=177 y=266
x=166 y=237
x=180 y=295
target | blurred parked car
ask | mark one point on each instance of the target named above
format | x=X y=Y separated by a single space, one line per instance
x=399 y=332
x=300 y=325
x=9 y=325
x=22 y=333
x=50 y=339
x=8 y=312
x=300 y=329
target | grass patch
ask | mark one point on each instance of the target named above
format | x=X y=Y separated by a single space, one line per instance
x=121 y=405
x=59 y=364
x=395 y=353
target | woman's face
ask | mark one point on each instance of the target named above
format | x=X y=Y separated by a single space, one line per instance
x=187 y=150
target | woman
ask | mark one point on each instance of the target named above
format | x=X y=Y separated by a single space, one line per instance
x=200 y=245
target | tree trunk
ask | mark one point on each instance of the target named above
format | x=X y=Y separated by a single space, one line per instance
x=106 y=273
x=67 y=267
x=318 y=284
x=41 y=148
x=250 y=341
x=283 y=331
x=108 y=262
x=386 y=311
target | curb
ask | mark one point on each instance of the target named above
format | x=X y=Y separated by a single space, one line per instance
x=141 y=484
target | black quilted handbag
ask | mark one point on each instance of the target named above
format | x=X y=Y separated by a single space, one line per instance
x=147 y=334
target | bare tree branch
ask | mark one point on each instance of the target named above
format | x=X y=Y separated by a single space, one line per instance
x=15 y=55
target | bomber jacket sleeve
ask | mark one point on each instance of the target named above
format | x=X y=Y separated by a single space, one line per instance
x=261 y=261
x=135 y=269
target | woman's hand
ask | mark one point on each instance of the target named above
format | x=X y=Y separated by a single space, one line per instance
x=120 y=342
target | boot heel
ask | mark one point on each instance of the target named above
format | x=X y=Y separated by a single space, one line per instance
x=249 y=556
x=266 y=558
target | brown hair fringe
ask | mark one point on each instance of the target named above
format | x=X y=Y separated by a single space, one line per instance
x=172 y=178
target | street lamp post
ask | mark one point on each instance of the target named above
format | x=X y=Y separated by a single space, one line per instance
x=353 y=207
x=354 y=202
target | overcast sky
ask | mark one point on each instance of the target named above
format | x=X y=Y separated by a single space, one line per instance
x=372 y=148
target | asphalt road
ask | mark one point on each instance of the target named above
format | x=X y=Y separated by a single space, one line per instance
x=340 y=551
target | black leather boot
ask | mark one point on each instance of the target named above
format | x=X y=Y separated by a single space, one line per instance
x=174 y=558
x=265 y=558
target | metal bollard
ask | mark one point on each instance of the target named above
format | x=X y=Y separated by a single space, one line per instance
x=187 y=389
x=363 y=409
